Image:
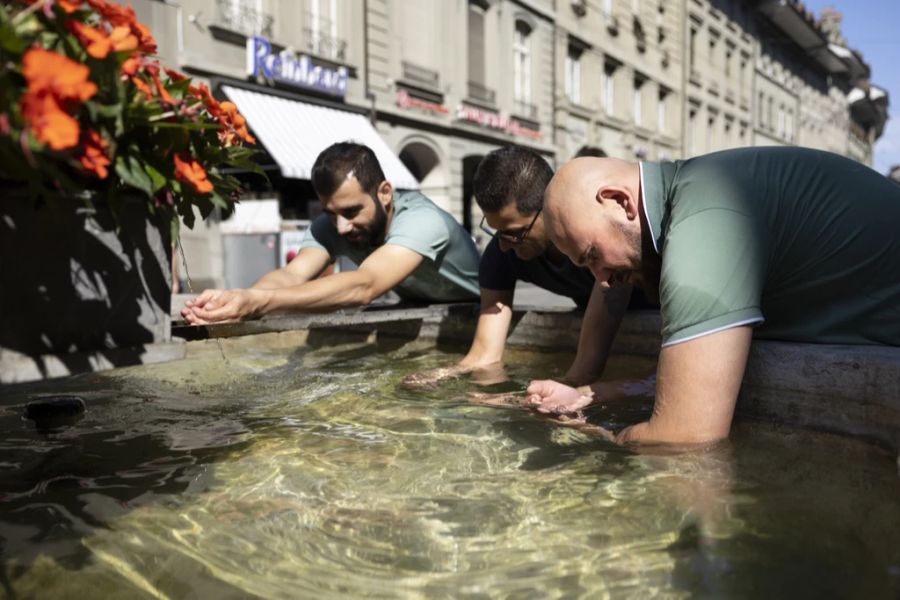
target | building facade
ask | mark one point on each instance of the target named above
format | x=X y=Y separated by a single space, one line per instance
x=440 y=83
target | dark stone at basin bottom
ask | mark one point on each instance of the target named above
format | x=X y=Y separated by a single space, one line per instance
x=50 y=412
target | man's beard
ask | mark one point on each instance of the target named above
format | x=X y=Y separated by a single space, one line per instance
x=374 y=234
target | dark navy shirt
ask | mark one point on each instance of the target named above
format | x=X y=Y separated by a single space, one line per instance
x=500 y=270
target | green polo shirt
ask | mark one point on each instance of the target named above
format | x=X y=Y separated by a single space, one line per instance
x=449 y=271
x=800 y=243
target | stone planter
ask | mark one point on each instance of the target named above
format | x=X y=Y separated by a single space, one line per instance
x=80 y=291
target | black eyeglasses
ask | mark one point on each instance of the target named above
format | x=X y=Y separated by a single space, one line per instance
x=513 y=237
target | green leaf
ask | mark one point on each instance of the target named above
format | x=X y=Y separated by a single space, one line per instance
x=9 y=40
x=132 y=172
x=158 y=180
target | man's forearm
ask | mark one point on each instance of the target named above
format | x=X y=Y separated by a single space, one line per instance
x=598 y=330
x=273 y=280
x=352 y=288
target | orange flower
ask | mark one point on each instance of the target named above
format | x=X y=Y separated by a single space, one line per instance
x=142 y=86
x=48 y=122
x=131 y=65
x=95 y=42
x=69 y=5
x=94 y=158
x=212 y=105
x=122 y=39
x=63 y=77
x=234 y=122
x=190 y=171
x=116 y=14
x=160 y=88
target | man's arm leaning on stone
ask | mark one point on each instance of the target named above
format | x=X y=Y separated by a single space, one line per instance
x=382 y=270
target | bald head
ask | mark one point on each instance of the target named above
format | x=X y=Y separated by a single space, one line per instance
x=593 y=204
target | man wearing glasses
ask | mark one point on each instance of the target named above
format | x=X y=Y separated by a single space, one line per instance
x=509 y=187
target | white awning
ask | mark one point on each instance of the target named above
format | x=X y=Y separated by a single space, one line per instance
x=295 y=132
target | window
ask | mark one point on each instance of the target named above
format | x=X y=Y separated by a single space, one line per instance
x=636 y=7
x=607 y=7
x=522 y=63
x=638 y=107
x=710 y=127
x=323 y=27
x=476 y=43
x=609 y=88
x=789 y=126
x=661 y=111
x=573 y=73
x=771 y=121
x=781 y=121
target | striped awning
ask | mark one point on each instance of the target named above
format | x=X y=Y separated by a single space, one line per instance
x=295 y=132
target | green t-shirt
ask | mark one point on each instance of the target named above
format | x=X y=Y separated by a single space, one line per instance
x=804 y=244
x=449 y=272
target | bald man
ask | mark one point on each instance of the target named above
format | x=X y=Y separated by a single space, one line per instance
x=777 y=243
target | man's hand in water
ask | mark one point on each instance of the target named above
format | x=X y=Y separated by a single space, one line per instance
x=552 y=397
x=216 y=306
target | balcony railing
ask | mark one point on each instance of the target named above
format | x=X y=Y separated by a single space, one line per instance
x=525 y=109
x=241 y=17
x=479 y=93
x=321 y=42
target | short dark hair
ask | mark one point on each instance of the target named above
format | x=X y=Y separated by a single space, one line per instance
x=511 y=173
x=590 y=151
x=338 y=160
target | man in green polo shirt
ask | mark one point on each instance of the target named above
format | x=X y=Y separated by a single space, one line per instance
x=400 y=240
x=778 y=243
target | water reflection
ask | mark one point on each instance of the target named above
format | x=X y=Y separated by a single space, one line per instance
x=308 y=473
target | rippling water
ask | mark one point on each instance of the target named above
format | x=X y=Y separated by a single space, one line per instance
x=282 y=473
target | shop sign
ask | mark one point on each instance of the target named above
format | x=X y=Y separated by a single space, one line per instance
x=295 y=70
x=495 y=120
x=405 y=100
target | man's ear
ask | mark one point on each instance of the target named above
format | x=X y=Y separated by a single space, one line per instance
x=385 y=193
x=621 y=196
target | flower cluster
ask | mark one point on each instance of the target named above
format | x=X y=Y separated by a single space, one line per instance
x=85 y=106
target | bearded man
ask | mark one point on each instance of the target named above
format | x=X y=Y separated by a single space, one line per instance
x=400 y=240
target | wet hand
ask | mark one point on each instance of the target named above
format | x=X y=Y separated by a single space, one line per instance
x=217 y=306
x=552 y=397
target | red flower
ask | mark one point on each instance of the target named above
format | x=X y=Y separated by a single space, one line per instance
x=190 y=171
x=93 y=157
